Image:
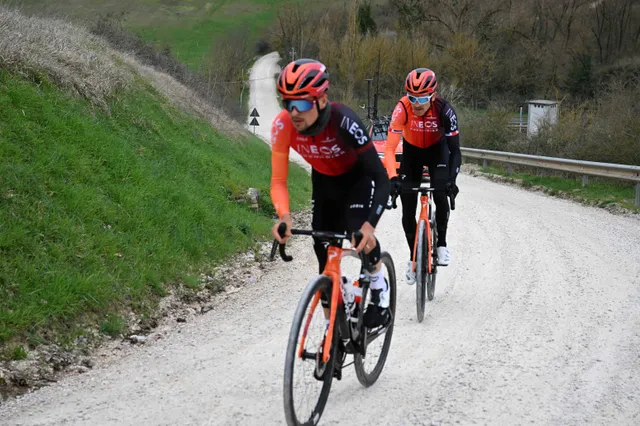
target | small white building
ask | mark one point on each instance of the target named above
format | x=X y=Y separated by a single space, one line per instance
x=540 y=111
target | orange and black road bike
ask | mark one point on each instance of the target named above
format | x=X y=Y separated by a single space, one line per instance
x=321 y=337
x=425 y=253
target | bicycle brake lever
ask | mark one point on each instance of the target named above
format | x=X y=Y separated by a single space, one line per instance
x=358 y=237
x=274 y=248
x=391 y=203
x=282 y=229
x=283 y=255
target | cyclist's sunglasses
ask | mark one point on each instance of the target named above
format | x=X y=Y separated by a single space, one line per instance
x=302 y=105
x=419 y=99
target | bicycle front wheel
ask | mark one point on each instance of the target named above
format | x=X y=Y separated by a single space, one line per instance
x=431 y=281
x=307 y=380
x=421 y=269
x=368 y=368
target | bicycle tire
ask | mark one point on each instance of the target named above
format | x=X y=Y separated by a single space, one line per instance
x=368 y=379
x=421 y=270
x=431 y=280
x=320 y=283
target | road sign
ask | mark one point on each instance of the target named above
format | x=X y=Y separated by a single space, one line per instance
x=254 y=113
x=254 y=123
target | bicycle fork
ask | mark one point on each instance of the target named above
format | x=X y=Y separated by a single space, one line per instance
x=426 y=214
x=352 y=329
x=332 y=270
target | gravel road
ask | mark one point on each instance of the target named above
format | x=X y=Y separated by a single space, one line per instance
x=537 y=320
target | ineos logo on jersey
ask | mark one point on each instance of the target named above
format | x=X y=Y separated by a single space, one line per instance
x=277 y=126
x=352 y=127
x=396 y=112
x=275 y=129
x=319 y=150
x=302 y=138
x=424 y=125
x=453 y=119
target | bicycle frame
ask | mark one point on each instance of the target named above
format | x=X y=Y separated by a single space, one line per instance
x=424 y=215
x=332 y=270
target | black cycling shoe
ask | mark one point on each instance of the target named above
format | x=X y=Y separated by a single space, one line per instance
x=375 y=316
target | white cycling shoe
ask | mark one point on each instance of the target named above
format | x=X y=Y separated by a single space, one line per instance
x=410 y=276
x=443 y=256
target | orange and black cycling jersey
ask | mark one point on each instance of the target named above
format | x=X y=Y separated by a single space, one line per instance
x=342 y=148
x=439 y=122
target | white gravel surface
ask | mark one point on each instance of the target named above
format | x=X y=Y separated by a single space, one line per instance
x=536 y=321
x=263 y=97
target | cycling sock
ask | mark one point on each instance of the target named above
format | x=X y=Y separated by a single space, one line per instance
x=374 y=256
x=380 y=286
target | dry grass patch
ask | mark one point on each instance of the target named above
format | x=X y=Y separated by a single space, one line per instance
x=186 y=99
x=88 y=65
x=69 y=55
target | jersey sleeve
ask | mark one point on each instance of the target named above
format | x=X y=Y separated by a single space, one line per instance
x=398 y=119
x=394 y=134
x=352 y=131
x=449 y=120
x=280 y=166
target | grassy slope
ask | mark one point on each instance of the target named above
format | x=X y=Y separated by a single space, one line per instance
x=98 y=212
x=188 y=27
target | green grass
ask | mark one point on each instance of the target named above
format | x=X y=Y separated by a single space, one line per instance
x=598 y=190
x=99 y=213
x=189 y=27
x=17 y=353
x=192 y=43
x=112 y=325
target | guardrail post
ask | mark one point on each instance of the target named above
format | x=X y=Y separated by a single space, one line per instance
x=637 y=203
x=585 y=181
x=509 y=169
x=484 y=164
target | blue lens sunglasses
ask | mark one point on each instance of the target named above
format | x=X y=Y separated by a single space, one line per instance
x=302 y=105
x=419 y=99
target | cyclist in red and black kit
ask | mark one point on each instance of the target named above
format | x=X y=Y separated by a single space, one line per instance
x=429 y=127
x=350 y=185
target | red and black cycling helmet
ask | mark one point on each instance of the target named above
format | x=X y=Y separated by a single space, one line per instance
x=303 y=79
x=421 y=81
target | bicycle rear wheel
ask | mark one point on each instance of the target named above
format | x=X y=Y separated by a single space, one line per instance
x=361 y=363
x=296 y=412
x=431 y=280
x=421 y=269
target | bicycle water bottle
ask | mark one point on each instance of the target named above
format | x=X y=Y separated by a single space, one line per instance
x=351 y=295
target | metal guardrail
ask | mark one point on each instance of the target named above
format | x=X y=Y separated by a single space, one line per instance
x=585 y=168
